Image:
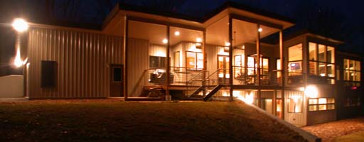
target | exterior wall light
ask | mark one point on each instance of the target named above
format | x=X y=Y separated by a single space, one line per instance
x=20 y=25
x=311 y=91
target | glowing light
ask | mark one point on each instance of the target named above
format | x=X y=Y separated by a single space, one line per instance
x=20 y=25
x=227 y=44
x=243 y=47
x=165 y=41
x=18 y=62
x=177 y=33
x=198 y=39
x=198 y=44
x=260 y=30
x=311 y=91
x=247 y=98
x=301 y=89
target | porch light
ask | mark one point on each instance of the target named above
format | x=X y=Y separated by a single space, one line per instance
x=165 y=41
x=260 y=30
x=20 y=25
x=198 y=39
x=177 y=33
x=227 y=43
x=311 y=91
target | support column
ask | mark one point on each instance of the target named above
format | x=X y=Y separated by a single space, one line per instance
x=125 y=57
x=231 y=57
x=168 y=71
x=258 y=65
x=204 y=70
x=281 y=51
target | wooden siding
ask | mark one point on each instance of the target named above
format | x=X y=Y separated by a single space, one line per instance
x=298 y=119
x=83 y=60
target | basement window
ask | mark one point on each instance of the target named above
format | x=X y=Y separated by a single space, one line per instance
x=320 y=104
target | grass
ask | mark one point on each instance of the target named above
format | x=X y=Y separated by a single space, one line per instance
x=137 y=121
x=354 y=137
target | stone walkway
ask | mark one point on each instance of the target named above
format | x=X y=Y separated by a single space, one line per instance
x=329 y=131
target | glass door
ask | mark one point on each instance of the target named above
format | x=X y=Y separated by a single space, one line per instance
x=223 y=69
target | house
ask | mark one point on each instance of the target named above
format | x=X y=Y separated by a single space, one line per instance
x=142 y=54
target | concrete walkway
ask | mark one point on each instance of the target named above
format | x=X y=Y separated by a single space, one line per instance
x=329 y=131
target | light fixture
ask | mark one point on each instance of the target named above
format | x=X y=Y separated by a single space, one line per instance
x=260 y=30
x=198 y=39
x=227 y=43
x=243 y=47
x=177 y=33
x=311 y=91
x=165 y=41
x=20 y=25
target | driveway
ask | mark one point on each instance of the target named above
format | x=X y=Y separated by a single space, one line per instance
x=329 y=131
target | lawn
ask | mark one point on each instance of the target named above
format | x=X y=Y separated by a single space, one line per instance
x=100 y=120
x=354 y=137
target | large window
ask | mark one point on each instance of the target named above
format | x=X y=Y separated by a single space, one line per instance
x=322 y=61
x=319 y=104
x=352 y=72
x=295 y=60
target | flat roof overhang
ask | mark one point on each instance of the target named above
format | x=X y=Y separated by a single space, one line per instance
x=236 y=11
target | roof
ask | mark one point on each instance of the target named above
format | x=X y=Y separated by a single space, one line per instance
x=229 y=4
x=306 y=32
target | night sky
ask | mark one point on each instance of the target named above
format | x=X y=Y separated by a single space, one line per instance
x=339 y=19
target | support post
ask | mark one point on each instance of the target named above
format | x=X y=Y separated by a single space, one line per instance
x=258 y=65
x=283 y=74
x=125 y=57
x=231 y=57
x=168 y=71
x=204 y=70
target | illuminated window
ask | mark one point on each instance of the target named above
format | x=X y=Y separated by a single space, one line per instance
x=295 y=60
x=194 y=60
x=318 y=104
x=352 y=72
x=295 y=104
x=322 y=61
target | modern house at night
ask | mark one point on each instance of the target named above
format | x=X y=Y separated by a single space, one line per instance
x=236 y=52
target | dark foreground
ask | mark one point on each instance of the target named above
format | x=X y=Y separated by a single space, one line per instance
x=110 y=120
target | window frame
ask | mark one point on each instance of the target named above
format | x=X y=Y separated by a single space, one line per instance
x=326 y=63
x=347 y=71
x=317 y=104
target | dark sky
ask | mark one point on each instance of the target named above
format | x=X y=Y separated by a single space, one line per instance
x=349 y=14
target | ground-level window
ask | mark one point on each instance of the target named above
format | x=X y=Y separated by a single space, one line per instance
x=319 y=104
x=295 y=104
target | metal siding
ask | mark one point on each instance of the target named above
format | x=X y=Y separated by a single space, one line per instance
x=83 y=60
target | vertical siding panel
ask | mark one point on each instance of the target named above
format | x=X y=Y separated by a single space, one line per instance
x=83 y=60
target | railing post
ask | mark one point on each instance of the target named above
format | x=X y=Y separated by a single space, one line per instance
x=168 y=97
